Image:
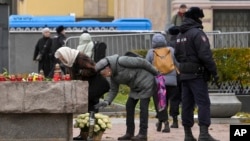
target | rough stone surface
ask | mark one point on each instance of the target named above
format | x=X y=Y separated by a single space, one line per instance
x=44 y=97
x=36 y=127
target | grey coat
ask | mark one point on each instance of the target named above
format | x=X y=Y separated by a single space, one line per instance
x=135 y=72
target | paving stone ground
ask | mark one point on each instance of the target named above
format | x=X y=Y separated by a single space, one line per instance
x=218 y=130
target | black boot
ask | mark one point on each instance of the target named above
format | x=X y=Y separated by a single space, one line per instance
x=204 y=135
x=79 y=137
x=188 y=134
x=127 y=136
x=158 y=126
x=166 y=127
x=139 y=137
x=175 y=122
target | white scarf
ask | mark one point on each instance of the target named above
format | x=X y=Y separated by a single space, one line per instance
x=68 y=54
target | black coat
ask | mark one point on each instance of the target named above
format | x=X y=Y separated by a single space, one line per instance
x=43 y=46
x=192 y=45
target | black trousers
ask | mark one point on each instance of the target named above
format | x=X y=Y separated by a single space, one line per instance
x=195 y=91
x=174 y=104
x=98 y=86
x=130 y=109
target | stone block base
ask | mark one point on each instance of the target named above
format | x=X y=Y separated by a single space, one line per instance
x=36 y=127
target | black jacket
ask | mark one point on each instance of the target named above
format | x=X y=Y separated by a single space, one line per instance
x=58 y=41
x=193 y=51
x=45 y=62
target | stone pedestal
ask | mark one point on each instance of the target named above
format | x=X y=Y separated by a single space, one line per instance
x=40 y=111
x=224 y=105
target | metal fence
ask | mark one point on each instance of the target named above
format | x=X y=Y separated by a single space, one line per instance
x=121 y=43
x=229 y=39
x=118 y=43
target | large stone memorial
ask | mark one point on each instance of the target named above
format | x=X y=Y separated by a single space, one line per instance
x=40 y=111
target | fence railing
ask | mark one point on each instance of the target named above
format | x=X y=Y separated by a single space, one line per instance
x=121 y=43
x=118 y=43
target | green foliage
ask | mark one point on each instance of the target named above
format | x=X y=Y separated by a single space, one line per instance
x=232 y=63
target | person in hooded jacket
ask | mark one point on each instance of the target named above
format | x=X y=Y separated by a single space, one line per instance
x=43 y=48
x=86 y=45
x=159 y=41
x=82 y=67
x=139 y=75
x=193 y=53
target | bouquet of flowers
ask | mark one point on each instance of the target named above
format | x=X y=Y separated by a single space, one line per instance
x=102 y=122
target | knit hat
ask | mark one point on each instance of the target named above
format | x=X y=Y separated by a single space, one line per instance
x=195 y=13
x=59 y=29
x=46 y=29
x=158 y=40
x=101 y=64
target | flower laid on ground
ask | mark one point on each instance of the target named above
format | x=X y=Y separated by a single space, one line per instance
x=102 y=122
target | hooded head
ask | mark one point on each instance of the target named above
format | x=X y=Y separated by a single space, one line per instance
x=59 y=29
x=195 y=13
x=66 y=55
x=85 y=38
x=158 y=40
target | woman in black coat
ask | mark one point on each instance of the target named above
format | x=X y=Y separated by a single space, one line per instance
x=42 y=51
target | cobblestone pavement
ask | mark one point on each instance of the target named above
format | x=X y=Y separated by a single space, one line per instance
x=218 y=131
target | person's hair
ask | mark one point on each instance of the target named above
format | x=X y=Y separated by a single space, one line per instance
x=183 y=6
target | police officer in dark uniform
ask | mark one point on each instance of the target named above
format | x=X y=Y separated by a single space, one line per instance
x=196 y=66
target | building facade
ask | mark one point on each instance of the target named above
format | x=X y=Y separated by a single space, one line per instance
x=222 y=15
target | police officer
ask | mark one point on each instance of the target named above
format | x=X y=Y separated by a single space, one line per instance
x=196 y=65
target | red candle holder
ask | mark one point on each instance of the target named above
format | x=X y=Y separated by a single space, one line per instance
x=67 y=77
x=40 y=78
x=19 y=77
x=56 y=77
x=2 y=78
x=30 y=78
x=12 y=78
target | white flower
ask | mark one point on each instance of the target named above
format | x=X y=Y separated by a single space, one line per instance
x=100 y=121
x=81 y=125
x=103 y=126
x=96 y=128
x=109 y=126
x=105 y=120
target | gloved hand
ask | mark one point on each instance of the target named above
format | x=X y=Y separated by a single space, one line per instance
x=215 y=79
x=102 y=104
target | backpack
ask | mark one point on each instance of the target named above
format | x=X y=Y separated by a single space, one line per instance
x=163 y=60
x=99 y=51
